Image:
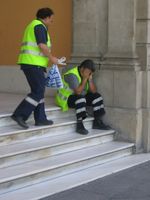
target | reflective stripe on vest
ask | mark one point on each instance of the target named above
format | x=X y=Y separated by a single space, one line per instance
x=30 y=52
x=62 y=96
x=33 y=44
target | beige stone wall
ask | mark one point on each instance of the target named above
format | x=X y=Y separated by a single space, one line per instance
x=120 y=79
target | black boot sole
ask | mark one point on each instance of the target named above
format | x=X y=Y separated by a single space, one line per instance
x=49 y=123
x=20 y=122
x=82 y=132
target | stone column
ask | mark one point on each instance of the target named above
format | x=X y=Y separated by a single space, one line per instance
x=89 y=30
x=120 y=79
x=143 y=49
x=121 y=51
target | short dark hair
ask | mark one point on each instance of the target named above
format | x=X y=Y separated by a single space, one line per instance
x=44 y=13
x=88 y=64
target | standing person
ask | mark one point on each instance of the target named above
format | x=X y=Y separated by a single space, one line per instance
x=79 y=92
x=34 y=57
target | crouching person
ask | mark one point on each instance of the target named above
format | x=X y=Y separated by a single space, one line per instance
x=79 y=91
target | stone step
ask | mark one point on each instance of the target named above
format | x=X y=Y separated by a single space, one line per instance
x=47 y=188
x=26 y=174
x=51 y=113
x=52 y=145
x=14 y=134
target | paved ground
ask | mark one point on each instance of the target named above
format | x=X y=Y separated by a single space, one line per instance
x=131 y=184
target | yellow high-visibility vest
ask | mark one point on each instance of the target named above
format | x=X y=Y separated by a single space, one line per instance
x=64 y=93
x=30 y=52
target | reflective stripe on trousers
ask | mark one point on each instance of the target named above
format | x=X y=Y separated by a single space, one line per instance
x=33 y=102
x=80 y=108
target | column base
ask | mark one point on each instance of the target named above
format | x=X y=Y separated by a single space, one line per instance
x=146 y=129
x=127 y=123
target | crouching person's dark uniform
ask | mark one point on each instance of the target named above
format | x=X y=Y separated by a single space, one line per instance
x=79 y=92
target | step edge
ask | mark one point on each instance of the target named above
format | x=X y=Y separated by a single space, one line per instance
x=31 y=189
x=54 y=108
x=65 y=164
x=43 y=127
x=111 y=132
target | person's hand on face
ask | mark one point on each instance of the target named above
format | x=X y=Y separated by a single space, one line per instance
x=91 y=76
x=86 y=73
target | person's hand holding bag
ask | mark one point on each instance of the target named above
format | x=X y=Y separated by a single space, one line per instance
x=61 y=61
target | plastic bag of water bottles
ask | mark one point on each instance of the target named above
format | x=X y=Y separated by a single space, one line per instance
x=53 y=79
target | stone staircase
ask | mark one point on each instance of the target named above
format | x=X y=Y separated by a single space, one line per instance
x=42 y=161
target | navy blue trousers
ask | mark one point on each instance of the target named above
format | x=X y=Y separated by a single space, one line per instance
x=35 y=99
x=80 y=102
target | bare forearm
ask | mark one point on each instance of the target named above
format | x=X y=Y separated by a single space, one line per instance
x=81 y=86
x=92 y=86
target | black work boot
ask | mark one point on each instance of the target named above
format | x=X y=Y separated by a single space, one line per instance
x=99 y=124
x=20 y=121
x=81 y=129
x=44 y=123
